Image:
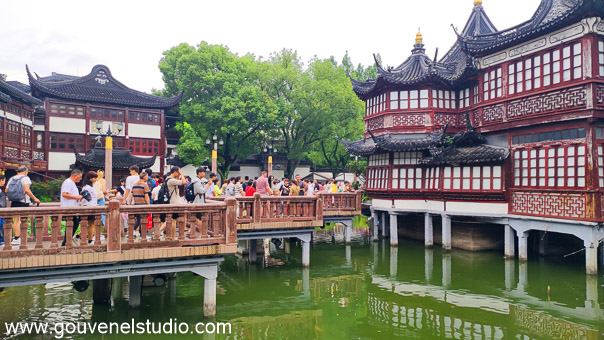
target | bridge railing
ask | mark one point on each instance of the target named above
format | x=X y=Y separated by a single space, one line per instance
x=342 y=201
x=185 y=225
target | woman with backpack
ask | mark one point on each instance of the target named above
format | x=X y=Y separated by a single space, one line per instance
x=90 y=180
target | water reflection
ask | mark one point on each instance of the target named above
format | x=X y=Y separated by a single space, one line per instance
x=366 y=290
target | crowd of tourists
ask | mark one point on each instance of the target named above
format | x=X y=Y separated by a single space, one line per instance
x=145 y=187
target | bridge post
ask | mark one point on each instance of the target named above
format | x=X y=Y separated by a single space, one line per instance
x=375 y=226
x=253 y=250
x=113 y=227
x=305 y=253
x=358 y=200
x=428 y=231
x=508 y=241
x=135 y=291
x=319 y=208
x=591 y=257
x=287 y=245
x=257 y=208
x=522 y=246
x=101 y=291
x=209 y=274
x=231 y=220
x=393 y=230
x=446 y=232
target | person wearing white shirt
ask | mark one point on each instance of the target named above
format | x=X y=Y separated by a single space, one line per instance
x=70 y=197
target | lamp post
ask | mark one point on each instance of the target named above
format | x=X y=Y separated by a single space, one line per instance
x=268 y=149
x=109 y=149
x=214 y=151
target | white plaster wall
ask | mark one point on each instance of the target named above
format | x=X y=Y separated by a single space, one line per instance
x=411 y=205
x=381 y=204
x=13 y=117
x=303 y=171
x=144 y=131
x=155 y=168
x=41 y=128
x=60 y=161
x=478 y=208
x=28 y=122
x=69 y=125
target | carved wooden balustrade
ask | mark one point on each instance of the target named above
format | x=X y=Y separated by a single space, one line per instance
x=190 y=230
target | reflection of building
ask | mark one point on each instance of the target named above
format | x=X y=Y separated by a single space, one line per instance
x=74 y=106
x=18 y=144
x=506 y=122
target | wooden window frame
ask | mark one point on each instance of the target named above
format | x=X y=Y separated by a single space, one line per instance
x=492 y=84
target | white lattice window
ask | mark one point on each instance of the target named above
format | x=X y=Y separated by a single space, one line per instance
x=404 y=100
x=492 y=84
x=476 y=95
x=406 y=158
x=379 y=159
x=375 y=105
x=464 y=98
x=601 y=57
x=407 y=178
x=601 y=165
x=443 y=99
x=550 y=167
x=432 y=178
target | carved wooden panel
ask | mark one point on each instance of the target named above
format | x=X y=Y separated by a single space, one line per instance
x=558 y=205
x=600 y=95
x=409 y=120
x=26 y=154
x=492 y=113
x=375 y=123
x=548 y=102
x=38 y=156
x=445 y=118
x=11 y=152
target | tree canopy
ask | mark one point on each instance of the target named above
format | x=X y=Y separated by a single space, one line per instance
x=247 y=102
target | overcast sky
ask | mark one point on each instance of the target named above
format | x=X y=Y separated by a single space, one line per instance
x=129 y=37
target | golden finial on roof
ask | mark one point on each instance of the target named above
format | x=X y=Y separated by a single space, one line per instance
x=418 y=37
x=477 y=2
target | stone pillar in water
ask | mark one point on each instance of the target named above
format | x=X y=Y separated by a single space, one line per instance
x=523 y=246
x=347 y=232
x=428 y=231
x=591 y=258
x=253 y=250
x=135 y=291
x=101 y=291
x=510 y=274
x=305 y=253
x=393 y=230
x=446 y=270
x=209 y=297
x=375 y=226
x=508 y=241
x=446 y=232
x=428 y=264
x=393 y=261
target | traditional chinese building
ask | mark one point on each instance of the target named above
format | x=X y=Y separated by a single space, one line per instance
x=75 y=106
x=506 y=128
x=17 y=142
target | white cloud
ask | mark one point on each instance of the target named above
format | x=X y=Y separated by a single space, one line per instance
x=129 y=36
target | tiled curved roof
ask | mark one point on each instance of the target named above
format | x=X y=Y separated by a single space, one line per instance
x=98 y=86
x=122 y=159
x=11 y=91
x=467 y=155
x=419 y=68
x=551 y=15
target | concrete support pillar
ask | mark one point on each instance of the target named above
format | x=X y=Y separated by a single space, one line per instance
x=209 y=273
x=305 y=253
x=172 y=287
x=347 y=233
x=446 y=232
x=393 y=230
x=523 y=245
x=101 y=291
x=509 y=240
x=287 y=245
x=135 y=291
x=428 y=264
x=522 y=276
x=267 y=250
x=383 y=224
x=510 y=274
x=543 y=242
x=253 y=250
x=209 y=297
x=428 y=231
x=446 y=270
x=393 y=261
x=375 y=226
x=591 y=258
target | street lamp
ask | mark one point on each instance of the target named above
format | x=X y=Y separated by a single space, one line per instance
x=109 y=148
x=214 y=150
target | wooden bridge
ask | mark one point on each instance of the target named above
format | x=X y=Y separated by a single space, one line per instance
x=197 y=236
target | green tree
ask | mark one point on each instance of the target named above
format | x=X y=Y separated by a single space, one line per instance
x=221 y=95
x=360 y=72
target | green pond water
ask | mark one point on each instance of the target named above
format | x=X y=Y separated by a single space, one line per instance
x=363 y=291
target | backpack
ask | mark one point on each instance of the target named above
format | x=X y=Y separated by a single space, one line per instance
x=163 y=196
x=190 y=192
x=15 y=191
